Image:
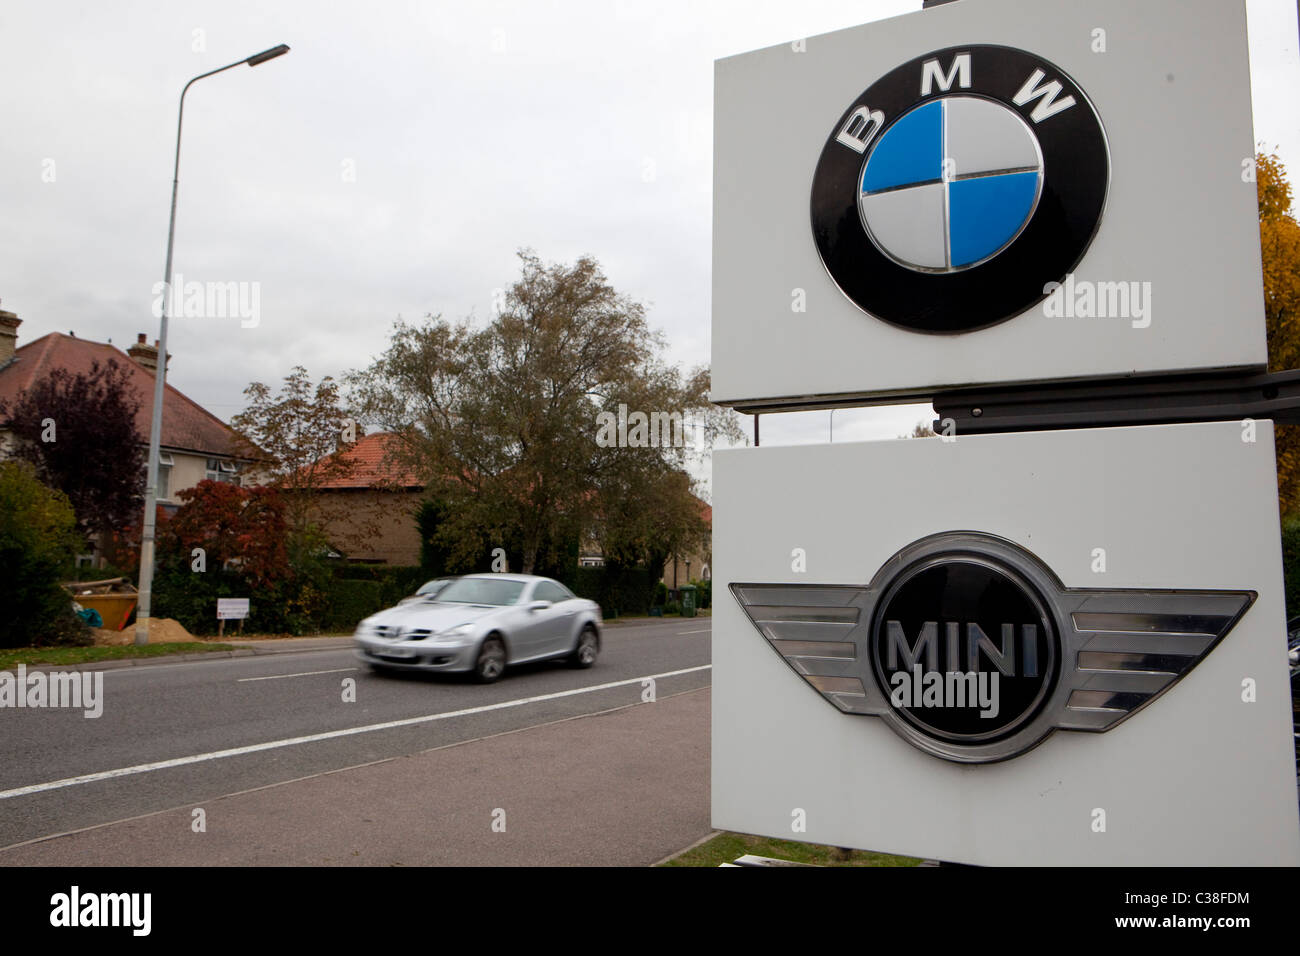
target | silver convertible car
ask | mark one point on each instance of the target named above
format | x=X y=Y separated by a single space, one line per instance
x=480 y=623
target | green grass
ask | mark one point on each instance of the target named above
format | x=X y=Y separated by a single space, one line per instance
x=727 y=847
x=12 y=657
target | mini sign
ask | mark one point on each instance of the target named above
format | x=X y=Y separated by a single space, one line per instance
x=231 y=609
x=1039 y=648
x=986 y=192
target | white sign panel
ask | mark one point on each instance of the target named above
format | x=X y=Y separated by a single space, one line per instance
x=989 y=191
x=230 y=609
x=1052 y=648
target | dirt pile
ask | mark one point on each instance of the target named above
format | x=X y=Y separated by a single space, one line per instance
x=162 y=630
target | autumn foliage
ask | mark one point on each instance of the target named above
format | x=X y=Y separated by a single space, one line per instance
x=243 y=528
x=1279 y=240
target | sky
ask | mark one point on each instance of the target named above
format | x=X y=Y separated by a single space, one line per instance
x=392 y=164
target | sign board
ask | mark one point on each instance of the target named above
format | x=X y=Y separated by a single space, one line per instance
x=231 y=609
x=986 y=192
x=1115 y=596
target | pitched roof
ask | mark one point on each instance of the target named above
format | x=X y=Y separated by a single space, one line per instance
x=375 y=462
x=186 y=425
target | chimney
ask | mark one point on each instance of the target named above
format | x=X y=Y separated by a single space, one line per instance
x=145 y=354
x=9 y=323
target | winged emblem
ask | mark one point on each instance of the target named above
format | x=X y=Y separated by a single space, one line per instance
x=1117 y=650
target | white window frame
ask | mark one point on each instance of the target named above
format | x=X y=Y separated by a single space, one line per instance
x=164 y=487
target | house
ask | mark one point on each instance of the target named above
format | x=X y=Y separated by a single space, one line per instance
x=195 y=444
x=695 y=565
x=368 y=513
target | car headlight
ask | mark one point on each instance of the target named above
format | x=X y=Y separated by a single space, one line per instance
x=460 y=631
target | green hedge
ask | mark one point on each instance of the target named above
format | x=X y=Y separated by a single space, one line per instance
x=293 y=606
x=617 y=590
x=336 y=600
x=350 y=600
x=395 y=581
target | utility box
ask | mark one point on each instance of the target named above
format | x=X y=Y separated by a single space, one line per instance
x=688 y=600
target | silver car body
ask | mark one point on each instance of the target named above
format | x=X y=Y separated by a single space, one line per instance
x=443 y=635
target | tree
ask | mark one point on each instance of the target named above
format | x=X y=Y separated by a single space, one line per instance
x=79 y=433
x=504 y=420
x=921 y=429
x=295 y=435
x=38 y=539
x=241 y=526
x=1279 y=240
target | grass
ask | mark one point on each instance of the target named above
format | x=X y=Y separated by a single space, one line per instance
x=727 y=847
x=12 y=657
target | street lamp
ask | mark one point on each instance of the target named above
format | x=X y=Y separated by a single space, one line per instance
x=160 y=370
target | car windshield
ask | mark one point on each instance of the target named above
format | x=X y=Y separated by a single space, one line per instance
x=431 y=587
x=482 y=591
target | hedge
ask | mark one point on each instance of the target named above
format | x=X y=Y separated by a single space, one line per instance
x=616 y=589
x=351 y=600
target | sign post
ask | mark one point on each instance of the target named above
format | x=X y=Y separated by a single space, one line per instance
x=230 y=609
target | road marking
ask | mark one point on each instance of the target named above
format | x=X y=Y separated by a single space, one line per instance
x=328 y=735
x=703 y=631
x=337 y=670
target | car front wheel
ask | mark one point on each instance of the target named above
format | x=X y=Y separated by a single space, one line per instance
x=491 y=661
x=584 y=655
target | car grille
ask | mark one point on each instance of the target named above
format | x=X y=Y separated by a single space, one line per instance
x=391 y=632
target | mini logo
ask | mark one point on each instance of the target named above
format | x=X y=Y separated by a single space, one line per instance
x=972 y=649
x=957 y=186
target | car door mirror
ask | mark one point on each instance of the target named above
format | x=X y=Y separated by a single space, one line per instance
x=539 y=605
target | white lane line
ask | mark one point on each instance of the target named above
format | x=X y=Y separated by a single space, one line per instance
x=702 y=631
x=337 y=670
x=328 y=735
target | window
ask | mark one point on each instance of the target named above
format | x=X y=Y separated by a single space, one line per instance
x=218 y=470
x=550 y=591
x=164 y=482
x=497 y=592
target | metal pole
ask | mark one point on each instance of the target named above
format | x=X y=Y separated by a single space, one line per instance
x=145 y=605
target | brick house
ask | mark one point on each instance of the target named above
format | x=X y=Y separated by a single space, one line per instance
x=368 y=515
x=195 y=444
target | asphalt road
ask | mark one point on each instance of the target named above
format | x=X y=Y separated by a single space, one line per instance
x=167 y=731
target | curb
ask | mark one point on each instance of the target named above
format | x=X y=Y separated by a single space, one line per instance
x=109 y=665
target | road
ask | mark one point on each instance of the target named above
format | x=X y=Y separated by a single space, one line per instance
x=178 y=735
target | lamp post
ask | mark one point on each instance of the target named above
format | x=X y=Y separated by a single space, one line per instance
x=160 y=371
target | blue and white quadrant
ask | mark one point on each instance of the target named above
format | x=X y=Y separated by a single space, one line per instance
x=933 y=216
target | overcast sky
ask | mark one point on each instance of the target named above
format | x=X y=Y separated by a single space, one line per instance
x=470 y=130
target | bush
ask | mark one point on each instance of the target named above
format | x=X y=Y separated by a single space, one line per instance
x=351 y=600
x=661 y=595
x=616 y=589
x=37 y=540
x=673 y=607
x=395 y=581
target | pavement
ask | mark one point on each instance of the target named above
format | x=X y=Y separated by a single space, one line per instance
x=626 y=787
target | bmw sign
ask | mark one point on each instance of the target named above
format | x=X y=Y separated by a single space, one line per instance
x=957 y=186
x=920 y=203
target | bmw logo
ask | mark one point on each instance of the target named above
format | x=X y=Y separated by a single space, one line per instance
x=957 y=186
